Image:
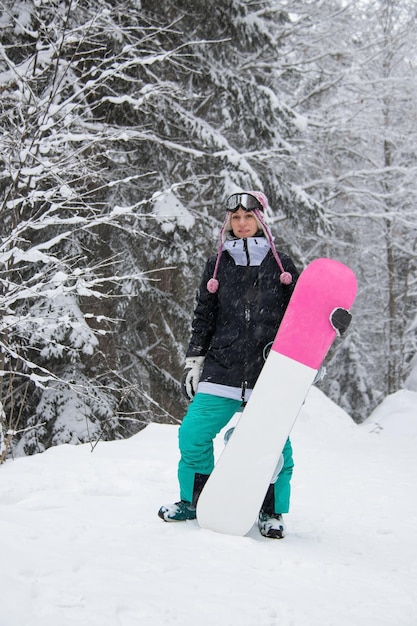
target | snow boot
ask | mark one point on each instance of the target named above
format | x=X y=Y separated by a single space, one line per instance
x=184 y=510
x=178 y=512
x=271 y=525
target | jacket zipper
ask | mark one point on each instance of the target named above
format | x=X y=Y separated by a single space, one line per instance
x=247 y=320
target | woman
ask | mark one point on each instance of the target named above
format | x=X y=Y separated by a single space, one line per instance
x=242 y=298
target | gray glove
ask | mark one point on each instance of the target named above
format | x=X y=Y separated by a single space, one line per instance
x=191 y=375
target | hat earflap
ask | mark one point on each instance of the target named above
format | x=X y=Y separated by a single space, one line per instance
x=213 y=283
x=285 y=277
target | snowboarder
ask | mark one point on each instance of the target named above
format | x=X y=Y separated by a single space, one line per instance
x=243 y=295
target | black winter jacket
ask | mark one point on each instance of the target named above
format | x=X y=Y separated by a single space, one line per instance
x=234 y=327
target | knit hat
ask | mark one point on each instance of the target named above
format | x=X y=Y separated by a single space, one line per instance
x=285 y=277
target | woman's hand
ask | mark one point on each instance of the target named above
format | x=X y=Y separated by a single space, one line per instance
x=191 y=375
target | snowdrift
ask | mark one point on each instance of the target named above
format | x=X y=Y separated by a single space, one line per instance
x=82 y=543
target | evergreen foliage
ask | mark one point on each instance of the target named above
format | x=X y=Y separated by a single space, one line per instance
x=123 y=127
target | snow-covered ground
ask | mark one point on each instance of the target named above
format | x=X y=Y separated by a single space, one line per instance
x=81 y=544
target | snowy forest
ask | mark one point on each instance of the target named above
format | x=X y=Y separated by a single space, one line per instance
x=125 y=124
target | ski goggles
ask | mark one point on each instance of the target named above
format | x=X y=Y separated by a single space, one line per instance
x=243 y=200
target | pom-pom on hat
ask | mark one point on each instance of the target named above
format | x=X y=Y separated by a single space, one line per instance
x=257 y=203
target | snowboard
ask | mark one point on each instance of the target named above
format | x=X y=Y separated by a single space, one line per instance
x=233 y=495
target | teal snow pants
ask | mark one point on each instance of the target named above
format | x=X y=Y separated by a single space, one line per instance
x=206 y=416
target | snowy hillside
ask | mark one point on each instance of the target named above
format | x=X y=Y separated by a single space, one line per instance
x=81 y=543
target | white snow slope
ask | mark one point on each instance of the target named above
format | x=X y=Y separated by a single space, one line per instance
x=81 y=543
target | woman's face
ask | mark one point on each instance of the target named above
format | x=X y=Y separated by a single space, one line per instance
x=243 y=224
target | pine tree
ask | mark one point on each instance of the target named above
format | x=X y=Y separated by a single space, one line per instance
x=124 y=127
x=107 y=106
x=359 y=154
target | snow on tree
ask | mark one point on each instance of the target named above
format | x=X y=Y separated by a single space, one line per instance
x=104 y=106
x=60 y=168
x=360 y=95
x=411 y=382
x=125 y=124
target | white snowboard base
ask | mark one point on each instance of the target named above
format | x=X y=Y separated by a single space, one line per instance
x=233 y=495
